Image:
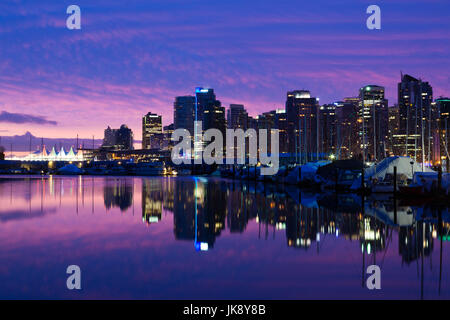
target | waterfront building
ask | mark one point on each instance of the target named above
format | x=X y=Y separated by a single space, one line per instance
x=443 y=106
x=329 y=130
x=347 y=127
x=204 y=98
x=417 y=119
x=152 y=132
x=118 y=139
x=214 y=117
x=237 y=117
x=277 y=120
x=393 y=144
x=209 y=113
x=168 y=132
x=372 y=123
x=184 y=108
x=302 y=125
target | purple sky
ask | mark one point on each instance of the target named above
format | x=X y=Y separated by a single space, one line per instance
x=134 y=57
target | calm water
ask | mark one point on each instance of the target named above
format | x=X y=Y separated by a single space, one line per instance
x=197 y=238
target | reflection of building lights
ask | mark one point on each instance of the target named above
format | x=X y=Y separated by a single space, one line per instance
x=201 y=246
x=280 y=226
x=368 y=248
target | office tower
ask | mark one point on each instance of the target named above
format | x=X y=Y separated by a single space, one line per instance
x=392 y=145
x=252 y=123
x=210 y=113
x=443 y=107
x=281 y=124
x=214 y=117
x=183 y=117
x=237 y=117
x=329 y=130
x=373 y=123
x=347 y=128
x=275 y=119
x=418 y=120
x=168 y=132
x=152 y=134
x=302 y=125
x=118 y=139
x=110 y=137
x=205 y=97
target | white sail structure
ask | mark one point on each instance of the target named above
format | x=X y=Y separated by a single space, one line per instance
x=53 y=155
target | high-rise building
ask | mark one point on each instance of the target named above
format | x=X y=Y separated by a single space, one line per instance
x=168 y=132
x=329 y=130
x=184 y=108
x=214 y=117
x=347 y=127
x=443 y=106
x=237 y=117
x=204 y=97
x=118 y=139
x=152 y=133
x=372 y=122
x=302 y=125
x=211 y=114
x=277 y=120
x=417 y=119
x=392 y=147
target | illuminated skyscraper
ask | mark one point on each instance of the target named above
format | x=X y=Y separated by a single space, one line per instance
x=372 y=122
x=443 y=106
x=417 y=119
x=152 y=134
x=393 y=148
x=277 y=120
x=302 y=125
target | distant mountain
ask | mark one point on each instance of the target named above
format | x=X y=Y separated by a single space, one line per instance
x=22 y=143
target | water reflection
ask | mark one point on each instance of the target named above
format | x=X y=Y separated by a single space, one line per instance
x=204 y=209
x=118 y=193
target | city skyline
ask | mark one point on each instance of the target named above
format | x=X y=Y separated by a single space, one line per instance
x=79 y=82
